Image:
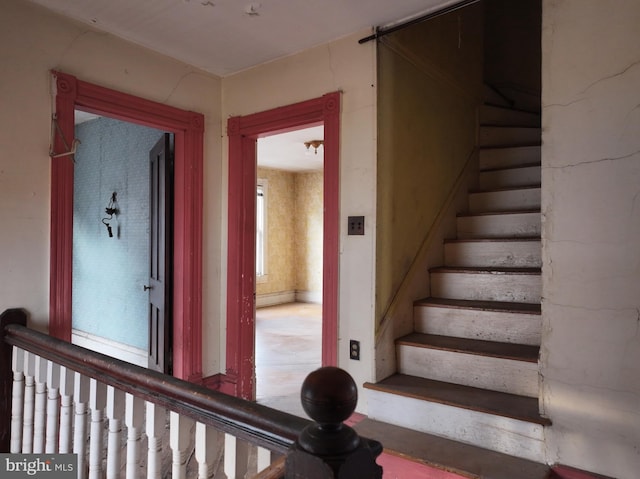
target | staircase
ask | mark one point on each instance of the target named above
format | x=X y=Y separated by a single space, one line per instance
x=469 y=371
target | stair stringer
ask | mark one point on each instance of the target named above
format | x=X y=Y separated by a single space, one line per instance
x=398 y=319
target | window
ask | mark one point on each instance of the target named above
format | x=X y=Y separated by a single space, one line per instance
x=261 y=228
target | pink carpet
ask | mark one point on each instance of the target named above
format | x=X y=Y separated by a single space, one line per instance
x=396 y=467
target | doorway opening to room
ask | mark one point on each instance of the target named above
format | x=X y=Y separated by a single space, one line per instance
x=187 y=127
x=289 y=252
x=244 y=132
x=123 y=240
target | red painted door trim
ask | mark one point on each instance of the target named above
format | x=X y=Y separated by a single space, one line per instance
x=188 y=128
x=243 y=133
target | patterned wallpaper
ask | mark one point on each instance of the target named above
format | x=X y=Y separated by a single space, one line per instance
x=294 y=232
x=308 y=228
x=108 y=273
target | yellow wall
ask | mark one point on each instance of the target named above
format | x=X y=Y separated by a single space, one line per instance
x=308 y=227
x=294 y=232
x=280 y=254
x=430 y=82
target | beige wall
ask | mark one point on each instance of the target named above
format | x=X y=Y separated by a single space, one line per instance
x=32 y=42
x=591 y=233
x=346 y=66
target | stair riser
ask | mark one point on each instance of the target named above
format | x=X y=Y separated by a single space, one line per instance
x=524 y=288
x=491 y=158
x=508 y=136
x=490 y=115
x=511 y=200
x=497 y=433
x=504 y=327
x=509 y=178
x=493 y=254
x=499 y=226
x=497 y=374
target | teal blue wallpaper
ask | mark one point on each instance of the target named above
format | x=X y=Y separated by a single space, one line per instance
x=109 y=272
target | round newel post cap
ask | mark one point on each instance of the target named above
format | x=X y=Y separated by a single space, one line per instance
x=329 y=396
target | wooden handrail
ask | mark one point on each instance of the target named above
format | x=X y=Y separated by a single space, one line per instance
x=328 y=395
x=269 y=428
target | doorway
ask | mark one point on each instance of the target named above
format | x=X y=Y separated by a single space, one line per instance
x=122 y=226
x=188 y=128
x=243 y=135
x=289 y=253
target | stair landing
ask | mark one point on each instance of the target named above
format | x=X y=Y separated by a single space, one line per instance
x=453 y=459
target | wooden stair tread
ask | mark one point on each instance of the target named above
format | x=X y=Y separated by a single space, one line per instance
x=485 y=270
x=459 y=458
x=482 y=400
x=494 y=213
x=511 y=108
x=516 y=352
x=513 y=167
x=510 y=239
x=498 y=306
x=535 y=186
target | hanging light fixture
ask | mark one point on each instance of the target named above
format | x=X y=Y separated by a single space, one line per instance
x=315 y=144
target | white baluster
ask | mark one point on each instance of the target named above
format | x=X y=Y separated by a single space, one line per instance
x=156 y=420
x=40 y=408
x=236 y=457
x=81 y=394
x=17 y=399
x=179 y=435
x=115 y=414
x=97 y=404
x=29 y=402
x=53 y=407
x=66 y=409
x=134 y=416
x=264 y=458
x=206 y=438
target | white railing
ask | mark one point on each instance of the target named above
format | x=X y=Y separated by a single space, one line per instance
x=124 y=421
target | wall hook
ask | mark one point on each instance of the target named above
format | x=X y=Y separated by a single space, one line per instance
x=111 y=210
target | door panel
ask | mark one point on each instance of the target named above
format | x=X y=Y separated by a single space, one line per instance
x=161 y=249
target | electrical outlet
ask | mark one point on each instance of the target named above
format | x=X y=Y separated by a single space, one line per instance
x=354 y=349
x=355 y=225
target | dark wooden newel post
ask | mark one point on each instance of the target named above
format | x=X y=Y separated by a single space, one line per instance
x=329 y=449
x=10 y=316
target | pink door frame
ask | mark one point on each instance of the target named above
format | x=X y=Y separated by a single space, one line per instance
x=243 y=133
x=188 y=128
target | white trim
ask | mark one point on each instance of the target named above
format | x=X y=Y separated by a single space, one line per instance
x=106 y=346
x=283 y=297
x=309 y=297
x=272 y=299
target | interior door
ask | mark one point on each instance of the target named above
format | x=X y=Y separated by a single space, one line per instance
x=160 y=285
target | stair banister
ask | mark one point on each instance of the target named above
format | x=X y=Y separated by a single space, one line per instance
x=329 y=401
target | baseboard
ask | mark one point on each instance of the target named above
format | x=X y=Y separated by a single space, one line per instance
x=111 y=348
x=284 y=297
x=272 y=299
x=309 y=297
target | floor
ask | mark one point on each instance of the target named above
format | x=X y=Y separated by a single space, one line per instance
x=288 y=347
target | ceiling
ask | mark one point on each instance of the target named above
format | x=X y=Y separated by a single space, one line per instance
x=224 y=37
x=287 y=151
